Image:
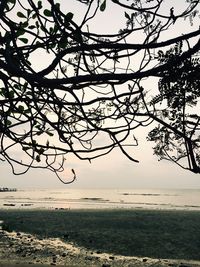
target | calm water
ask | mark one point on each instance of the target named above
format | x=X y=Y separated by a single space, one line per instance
x=101 y=199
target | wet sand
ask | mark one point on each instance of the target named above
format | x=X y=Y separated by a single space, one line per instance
x=25 y=250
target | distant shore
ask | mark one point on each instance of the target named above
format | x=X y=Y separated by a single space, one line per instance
x=123 y=238
x=6 y=189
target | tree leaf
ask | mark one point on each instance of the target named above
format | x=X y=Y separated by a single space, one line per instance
x=8 y=123
x=63 y=42
x=24 y=40
x=25 y=24
x=49 y=133
x=43 y=28
x=127 y=16
x=31 y=27
x=38 y=158
x=39 y=4
x=21 y=15
x=25 y=86
x=41 y=151
x=29 y=12
x=20 y=31
x=57 y=5
x=103 y=6
x=69 y=16
x=11 y=94
x=47 y=143
x=20 y=108
x=47 y=13
x=34 y=16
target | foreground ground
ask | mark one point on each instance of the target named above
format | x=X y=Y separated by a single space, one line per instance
x=97 y=238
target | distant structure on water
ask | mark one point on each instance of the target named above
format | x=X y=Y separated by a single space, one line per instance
x=6 y=189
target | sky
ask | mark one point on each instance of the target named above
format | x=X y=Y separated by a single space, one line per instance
x=113 y=170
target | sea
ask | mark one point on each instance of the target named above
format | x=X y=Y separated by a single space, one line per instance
x=177 y=199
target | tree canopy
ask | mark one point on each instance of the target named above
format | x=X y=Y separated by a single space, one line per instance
x=66 y=88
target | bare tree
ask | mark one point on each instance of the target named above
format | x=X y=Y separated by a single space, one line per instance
x=92 y=94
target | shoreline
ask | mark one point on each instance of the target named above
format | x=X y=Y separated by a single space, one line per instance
x=102 y=199
x=48 y=250
x=91 y=210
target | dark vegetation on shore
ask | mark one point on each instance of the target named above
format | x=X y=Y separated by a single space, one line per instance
x=145 y=233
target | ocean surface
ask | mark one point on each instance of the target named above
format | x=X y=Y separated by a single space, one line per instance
x=187 y=199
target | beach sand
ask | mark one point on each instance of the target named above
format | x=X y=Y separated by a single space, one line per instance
x=25 y=250
x=18 y=248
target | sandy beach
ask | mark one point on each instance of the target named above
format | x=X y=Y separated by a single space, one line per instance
x=26 y=250
x=18 y=248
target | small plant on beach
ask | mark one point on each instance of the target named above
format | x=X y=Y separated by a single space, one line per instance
x=66 y=88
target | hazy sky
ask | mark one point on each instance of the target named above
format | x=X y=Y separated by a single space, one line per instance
x=113 y=170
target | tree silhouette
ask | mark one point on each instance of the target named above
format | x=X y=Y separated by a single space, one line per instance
x=179 y=89
x=91 y=94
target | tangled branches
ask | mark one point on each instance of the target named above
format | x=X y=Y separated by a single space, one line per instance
x=66 y=89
